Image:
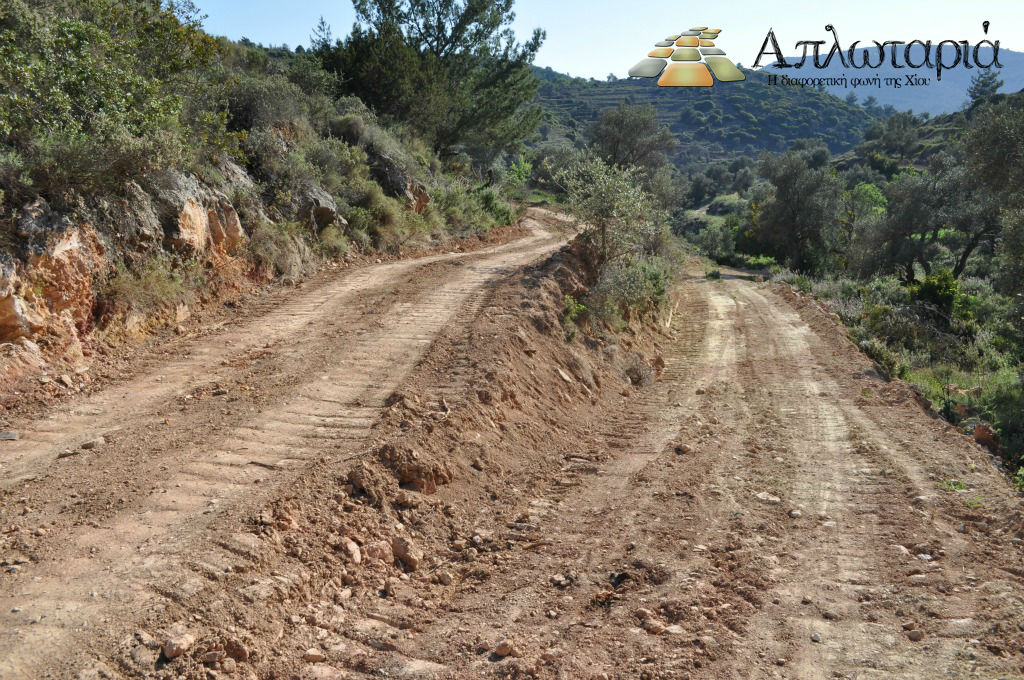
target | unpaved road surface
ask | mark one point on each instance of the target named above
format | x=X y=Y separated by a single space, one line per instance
x=768 y=507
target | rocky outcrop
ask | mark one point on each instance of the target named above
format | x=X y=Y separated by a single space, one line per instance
x=195 y=218
x=64 y=273
x=52 y=287
x=417 y=197
x=226 y=230
x=318 y=208
x=397 y=182
x=18 y=319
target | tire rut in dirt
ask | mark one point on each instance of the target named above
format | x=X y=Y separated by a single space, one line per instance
x=157 y=547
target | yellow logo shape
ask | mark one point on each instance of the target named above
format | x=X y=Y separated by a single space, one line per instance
x=688 y=66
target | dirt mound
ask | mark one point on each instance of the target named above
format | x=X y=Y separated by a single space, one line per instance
x=440 y=494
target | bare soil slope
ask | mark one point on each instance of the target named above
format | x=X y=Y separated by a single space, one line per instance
x=408 y=472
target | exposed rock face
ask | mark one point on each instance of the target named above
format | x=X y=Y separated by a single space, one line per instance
x=391 y=177
x=417 y=197
x=192 y=229
x=225 y=228
x=51 y=289
x=195 y=218
x=65 y=272
x=17 y=319
x=318 y=208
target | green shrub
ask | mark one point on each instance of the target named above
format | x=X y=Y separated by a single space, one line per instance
x=276 y=248
x=629 y=288
x=727 y=204
x=759 y=262
x=332 y=242
x=940 y=289
x=886 y=359
x=160 y=280
x=93 y=92
x=256 y=102
x=717 y=240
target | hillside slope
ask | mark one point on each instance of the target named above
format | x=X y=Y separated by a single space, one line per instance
x=732 y=118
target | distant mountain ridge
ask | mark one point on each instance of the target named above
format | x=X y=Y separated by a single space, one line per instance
x=945 y=96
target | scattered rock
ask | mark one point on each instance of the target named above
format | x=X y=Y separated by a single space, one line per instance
x=445 y=578
x=504 y=647
x=8 y=436
x=653 y=626
x=830 y=615
x=236 y=650
x=351 y=550
x=909 y=625
x=795 y=514
x=564 y=376
x=177 y=645
x=561 y=581
x=768 y=498
x=314 y=655
x=407 y=499
x=986 y=436
x=404 y=550
x=815 y=637
x=915 y=635
x=93 y=443
x=379 y=550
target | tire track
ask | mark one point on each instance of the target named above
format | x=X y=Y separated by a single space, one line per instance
x=102 y=575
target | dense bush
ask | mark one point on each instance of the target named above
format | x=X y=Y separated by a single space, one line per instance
x=93 y=91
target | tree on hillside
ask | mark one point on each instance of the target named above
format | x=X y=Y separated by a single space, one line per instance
x=910 y=232
x=798 y=219
x=994 y=146
x=984 y=84
x=461 y=56
x=631 y=135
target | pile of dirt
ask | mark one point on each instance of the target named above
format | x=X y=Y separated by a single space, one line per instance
x=500 y=409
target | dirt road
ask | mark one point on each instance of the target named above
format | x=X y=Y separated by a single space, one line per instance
x=768 y=507
x=97 y=533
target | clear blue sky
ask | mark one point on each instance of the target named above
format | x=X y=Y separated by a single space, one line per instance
x=593 y=38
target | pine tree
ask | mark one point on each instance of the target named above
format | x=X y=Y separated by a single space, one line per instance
x=983 y=85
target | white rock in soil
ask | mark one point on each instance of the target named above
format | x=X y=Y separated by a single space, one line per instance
x=177 y=645
x=351 y=550
x=404 y=550
x=768 y=498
